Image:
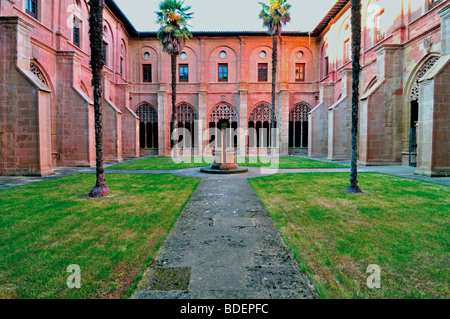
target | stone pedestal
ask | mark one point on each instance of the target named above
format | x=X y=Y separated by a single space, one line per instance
x=224 y=159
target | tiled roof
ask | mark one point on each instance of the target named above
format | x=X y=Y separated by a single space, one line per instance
x=340 y=4
x=228 y=34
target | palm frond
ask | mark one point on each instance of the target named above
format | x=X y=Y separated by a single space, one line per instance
x=173 y=18
x=275 y=15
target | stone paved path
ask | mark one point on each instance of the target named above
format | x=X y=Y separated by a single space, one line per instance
x=225 y=246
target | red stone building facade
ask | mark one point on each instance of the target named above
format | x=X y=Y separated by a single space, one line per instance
x=46 y=111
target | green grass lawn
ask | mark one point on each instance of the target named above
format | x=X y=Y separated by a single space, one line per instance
x=166 y=163
x=401 y=225
x=46 y=227
x=163 y=163
x=286 y=162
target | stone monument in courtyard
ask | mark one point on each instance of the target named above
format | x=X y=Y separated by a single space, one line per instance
x=224 y=158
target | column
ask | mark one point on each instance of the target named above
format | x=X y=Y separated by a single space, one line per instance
x=163 y=130
x=243 y=123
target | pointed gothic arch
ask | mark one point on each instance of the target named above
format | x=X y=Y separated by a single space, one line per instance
x=371 y=84
x=299 y=125
x=187 y=115
x=260 y=125
x=223 y=111
x=148 y=127
x=413 y=106
x=36 y=70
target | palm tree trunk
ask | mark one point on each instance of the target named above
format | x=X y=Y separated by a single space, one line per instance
x=96 y=39
x=274 y=80
x=173 y=58
x=356 y=51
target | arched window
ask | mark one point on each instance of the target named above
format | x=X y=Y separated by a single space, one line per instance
x=224 y=112
x=148 y=126
x=414 y=96
x=298 y=126
x=414 y=99
x=259 y=125
x=371 y=84
x=186 y=117
x=36 y=71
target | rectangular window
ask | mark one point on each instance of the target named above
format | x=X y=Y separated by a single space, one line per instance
x=262 y=72
x=327 y=66
x=184 y=73
x=347 y=50
x=433 y=3
x=105 y=53
x=300 y=72
x=223 y=72
x=76 y=32
x=379 y=26
x=121 y=66
x=147 y=73
x=31 y=7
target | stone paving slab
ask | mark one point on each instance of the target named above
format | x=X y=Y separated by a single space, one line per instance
x=231 y=246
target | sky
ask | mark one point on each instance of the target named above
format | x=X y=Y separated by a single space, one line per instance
x=227 y=15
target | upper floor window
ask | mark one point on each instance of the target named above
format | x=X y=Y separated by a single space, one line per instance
x=147 y=73
x=105 y=53
x=326 y=63
x=433 y=3
x=262 y=72
x=121 y=66
x=223 y=72
x=31 y=7
x=76 y=31
x=347 y=50
x=379 y=26
x=300 y=72
x=184 y=73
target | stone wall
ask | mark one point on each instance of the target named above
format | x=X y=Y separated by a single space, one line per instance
x=433 y=135
x=130 y=134
x=381 y=111
x=318 y=122
x=339 y=121
x=74 y=134
x=25 y=105
x=243 y=92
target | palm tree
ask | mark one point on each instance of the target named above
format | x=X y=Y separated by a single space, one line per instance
x=173 y=33
x=97 y=62
x=274 y=16
x=356 y=54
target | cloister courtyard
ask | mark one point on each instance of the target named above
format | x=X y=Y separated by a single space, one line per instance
x=304 y=156
x=168 y=231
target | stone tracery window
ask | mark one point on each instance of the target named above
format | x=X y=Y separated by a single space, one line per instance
x=36 y=71
x=259 y=124
x=186 y=117
x=415 y=92
x=223 y=112
x=299 y=126
x=148 y=126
